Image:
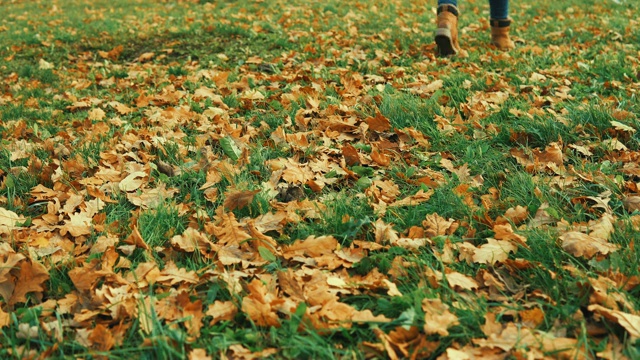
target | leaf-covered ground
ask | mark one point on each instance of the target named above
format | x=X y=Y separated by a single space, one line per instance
x=301 y=179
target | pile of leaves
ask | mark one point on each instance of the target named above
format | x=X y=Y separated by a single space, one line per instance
x=248 y=180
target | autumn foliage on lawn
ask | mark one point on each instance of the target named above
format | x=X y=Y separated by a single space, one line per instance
x=231 y=158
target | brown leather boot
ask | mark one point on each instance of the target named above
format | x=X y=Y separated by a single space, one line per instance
x=447 y=31
x=500 y=34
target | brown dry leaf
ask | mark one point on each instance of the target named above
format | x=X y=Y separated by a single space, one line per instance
x=230 y=254
x=31 y=279
x=101 y=338
x=583 y=245
x=437 y=317
x=516 y=215
x=173 y=275
x=227 y=229
x=112 y=54
x=9 y=220
x=613 y=145
x=151 y=199
x=551 y=154
x=542 y=217
x=146 y=56
x=8 y=262
x=367 y=316
x=493 y=251
x=221 y=311
x=199 y=354
x=257 y=305
x=191 y=240
x=85 y=277
x=629 y=322
x=491 y=325
x=631 y=203
x=379 y=123
x=460 y=281
x=135 y=238
x=436 y=225
x=380 y=158
x=311 y=247
x=539 y=161
x=505 y=232
x=238 y=199
x=392 y=288
x=514 y=336
x=78 y=225
x=239 y=352
x=531 y=318
x=385 y=233
x=5 y=319
x=192 y=311
x=96 y=114
x=133 y=181
x=613 y=351
x=350 y=154
x=413 y=200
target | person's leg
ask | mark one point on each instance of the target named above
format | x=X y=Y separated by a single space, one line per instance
x=447 y=31
x=500 y=24
x=499 y=9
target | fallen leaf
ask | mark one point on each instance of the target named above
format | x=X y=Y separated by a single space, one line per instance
x=221 y=311
x=31 y=279
x=493 y=251
x=629 y=322
x=101 y=338
x=583 y=245
x=350 y=154
x=9 y=221
x=437 y=317
x=239 y=199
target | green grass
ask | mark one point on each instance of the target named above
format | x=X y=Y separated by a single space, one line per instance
x=317 y=71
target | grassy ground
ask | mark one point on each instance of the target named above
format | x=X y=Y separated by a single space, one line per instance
x=306 y=179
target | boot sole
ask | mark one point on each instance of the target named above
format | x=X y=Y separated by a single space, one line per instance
x=444 y=42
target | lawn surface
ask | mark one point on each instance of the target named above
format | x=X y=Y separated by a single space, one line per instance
x=307 y=180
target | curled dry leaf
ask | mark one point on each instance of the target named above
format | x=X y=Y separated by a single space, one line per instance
x=514 y=336
x=101 y=338
x=9 y=220
x=437 y=317
x=505 y=232
x=133 y=181
x=350 y=154
x=258 y=305
x=151 y=199
x=221 y=311
x=516 y=215
x=629 y=322
x=539 y=161
x=413 y=200
x=582 y=245
x=30 y=279
x=631 y=203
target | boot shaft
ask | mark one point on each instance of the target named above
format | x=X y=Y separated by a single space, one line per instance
x=447 y=17
x=447 y=30
x=500 y=34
